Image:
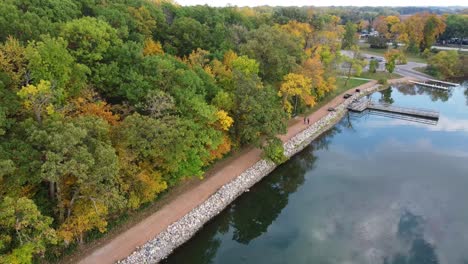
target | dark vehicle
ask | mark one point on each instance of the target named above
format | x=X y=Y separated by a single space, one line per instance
x=358 y=90
x=331 y=109
x=346 y=96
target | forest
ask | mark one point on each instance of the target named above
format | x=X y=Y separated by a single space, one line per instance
x=105 y=105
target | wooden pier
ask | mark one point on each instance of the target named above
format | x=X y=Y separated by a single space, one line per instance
x=430 y=85
x=362 y=105
x=436 y=84
x=448 y=83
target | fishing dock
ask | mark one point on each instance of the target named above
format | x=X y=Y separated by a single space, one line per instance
x=436 y=84
x=388 y=109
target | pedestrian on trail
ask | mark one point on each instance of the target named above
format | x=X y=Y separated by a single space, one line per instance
x=308 y=121
x=305 y=120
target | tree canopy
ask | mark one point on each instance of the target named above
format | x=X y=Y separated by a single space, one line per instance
x=104 y=105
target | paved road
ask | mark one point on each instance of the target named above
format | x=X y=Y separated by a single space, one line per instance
x=405 y=70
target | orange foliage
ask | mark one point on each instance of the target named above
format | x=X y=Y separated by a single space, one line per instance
x=198 y=57
x=313 y=69
x=88 y=105
x=222 y=148
x=145 y=187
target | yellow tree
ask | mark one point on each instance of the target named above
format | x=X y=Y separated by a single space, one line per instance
x=363 y=24
x=198 y=57
x=224 y=120
x=302 y=31
x=13 y=61
x=152 y=48
x=145 y=24
x=384 y=25
x=224 y=123
x=87 y=215
x=414 y=26
x=314 y=70
x=296 y=87
x=229 y=57
x=38 y=98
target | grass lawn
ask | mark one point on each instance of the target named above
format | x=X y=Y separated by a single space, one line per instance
x=379 y=75
x=339 y=89
x=380 y=52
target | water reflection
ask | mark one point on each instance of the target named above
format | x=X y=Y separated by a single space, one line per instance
x=434 y=94
x=386 y=96
x=466 y=94
x=370 y=191
x=411 y=232
x=252 y=213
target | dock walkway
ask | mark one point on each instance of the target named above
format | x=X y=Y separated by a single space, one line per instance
x=361 y=105
x=436 y=84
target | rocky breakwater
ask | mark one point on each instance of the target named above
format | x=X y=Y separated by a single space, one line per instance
x=182 y=230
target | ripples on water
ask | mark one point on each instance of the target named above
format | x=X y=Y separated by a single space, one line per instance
x=371 y=190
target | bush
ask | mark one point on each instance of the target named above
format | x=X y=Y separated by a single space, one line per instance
x=426 y=53
x=378 y=42
x=274 y=151
x=373 y=65
x=383 y=81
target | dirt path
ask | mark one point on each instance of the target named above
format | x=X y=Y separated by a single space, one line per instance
x=125 y=243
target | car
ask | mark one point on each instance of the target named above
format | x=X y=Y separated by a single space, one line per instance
x=358 y=90
x=331 y=109
x=346 y=96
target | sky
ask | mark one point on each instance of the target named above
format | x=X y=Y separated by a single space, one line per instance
x=324 y=2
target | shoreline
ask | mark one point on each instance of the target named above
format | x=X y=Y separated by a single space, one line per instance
x=179 y=232
x=155 y=237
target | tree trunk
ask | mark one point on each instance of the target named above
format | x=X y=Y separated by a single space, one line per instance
x=60 y=204
x=295 y=105
x=349 y=74
x=51 y=190
x=72 y=202
x=37 y=113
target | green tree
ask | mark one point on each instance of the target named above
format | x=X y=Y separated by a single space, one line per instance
x=390 y=65
x=273 y=150
x=79 y=164
x=257 y=110
x=89 y=39
x=187 y=34
x=276 y=51
x=445 y=64
x=457 y=27
x=373 y=65
x=173 y=146
x=49 y=60
x=350 y=35
x=25 y=232
x=354 y=64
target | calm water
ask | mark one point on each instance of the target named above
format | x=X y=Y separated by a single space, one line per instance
x=371 y=190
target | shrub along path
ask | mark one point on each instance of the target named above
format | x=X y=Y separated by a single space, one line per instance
x=126 y=242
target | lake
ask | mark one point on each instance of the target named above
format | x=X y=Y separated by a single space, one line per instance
x=373 y=189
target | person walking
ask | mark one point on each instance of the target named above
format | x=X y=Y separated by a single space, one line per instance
x=305 y=120
x=308 y=121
